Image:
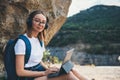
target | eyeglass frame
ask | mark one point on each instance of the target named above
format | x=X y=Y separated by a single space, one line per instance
x=39 y=21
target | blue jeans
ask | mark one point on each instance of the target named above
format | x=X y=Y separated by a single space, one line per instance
x=37 y=67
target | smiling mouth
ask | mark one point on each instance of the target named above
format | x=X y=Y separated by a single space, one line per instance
x=40 y=27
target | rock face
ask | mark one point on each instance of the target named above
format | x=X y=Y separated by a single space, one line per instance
x=13 y=14
x=83 y=58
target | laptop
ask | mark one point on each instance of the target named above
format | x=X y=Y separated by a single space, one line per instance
x=66 y=66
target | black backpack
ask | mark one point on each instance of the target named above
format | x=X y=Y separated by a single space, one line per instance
x=9 y=56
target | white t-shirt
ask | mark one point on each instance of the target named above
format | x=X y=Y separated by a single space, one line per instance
x=36 y=50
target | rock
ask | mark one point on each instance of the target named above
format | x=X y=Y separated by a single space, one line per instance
x=13 y=14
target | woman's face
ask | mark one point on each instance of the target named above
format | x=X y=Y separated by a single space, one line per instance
x=38 y=22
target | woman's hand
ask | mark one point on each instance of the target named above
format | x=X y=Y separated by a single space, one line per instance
x=51 y=70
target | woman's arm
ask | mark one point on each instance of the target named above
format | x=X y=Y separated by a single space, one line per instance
x=22 y=72
x=43 y=64
x=27 y=73
x=53 y=68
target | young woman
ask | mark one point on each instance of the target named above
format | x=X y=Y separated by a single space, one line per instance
x=36 y=24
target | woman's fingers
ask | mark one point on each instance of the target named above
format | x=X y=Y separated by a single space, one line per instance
x=54 y=69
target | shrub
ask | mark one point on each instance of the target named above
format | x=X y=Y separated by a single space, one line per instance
x=48 y=58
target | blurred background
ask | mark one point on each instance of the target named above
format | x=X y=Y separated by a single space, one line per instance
x=93 y=29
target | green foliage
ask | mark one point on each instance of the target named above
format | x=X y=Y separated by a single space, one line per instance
x=46 y=55
x=2 y=78
x=48 y=58
x=96 y=25
x=54 y=60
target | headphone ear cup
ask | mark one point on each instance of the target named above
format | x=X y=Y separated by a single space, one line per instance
x=29 y=22
x=46 y=25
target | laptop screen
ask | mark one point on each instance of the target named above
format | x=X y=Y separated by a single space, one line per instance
x=68 y=55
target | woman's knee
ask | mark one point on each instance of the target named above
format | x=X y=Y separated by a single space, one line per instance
x=71 y=76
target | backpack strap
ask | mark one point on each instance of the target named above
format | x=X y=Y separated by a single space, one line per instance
x=28 y=47
x=41 y=43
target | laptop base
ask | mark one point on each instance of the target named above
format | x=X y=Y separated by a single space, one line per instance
x=65 y=68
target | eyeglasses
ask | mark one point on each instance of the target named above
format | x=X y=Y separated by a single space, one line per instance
x=38 y=21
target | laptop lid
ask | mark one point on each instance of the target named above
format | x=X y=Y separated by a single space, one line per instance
x=68 y=55
x=67 y=65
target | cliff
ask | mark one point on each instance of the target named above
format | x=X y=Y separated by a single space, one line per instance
x=13 y=14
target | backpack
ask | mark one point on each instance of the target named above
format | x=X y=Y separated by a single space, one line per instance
x=9 y=56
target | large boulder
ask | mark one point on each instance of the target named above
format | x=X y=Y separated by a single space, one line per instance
x=13 y=14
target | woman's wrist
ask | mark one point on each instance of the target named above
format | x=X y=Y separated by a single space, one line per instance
x=47 y=68
x=44 y=73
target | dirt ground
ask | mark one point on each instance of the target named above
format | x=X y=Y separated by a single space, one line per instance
x=99 y=72
x=95 y=72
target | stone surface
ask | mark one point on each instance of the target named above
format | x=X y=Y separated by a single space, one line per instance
x=83 y=58
x=13 y=14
